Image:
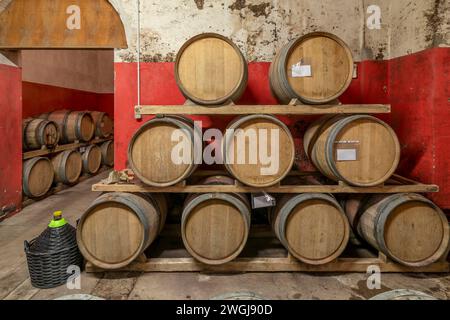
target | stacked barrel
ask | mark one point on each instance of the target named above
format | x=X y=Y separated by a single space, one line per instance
x=70 y=138
x=355 y=150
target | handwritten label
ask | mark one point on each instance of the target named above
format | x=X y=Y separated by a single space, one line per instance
x=301 y=71
x=346 y=154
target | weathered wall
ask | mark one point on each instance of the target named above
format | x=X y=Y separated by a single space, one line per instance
x=261 y=27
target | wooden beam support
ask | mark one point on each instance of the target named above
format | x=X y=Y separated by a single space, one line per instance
x=263 y=109
x=272 y=265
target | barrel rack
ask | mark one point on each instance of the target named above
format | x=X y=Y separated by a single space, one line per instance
x=26 y=201
x=177 y=260
x=71 y=146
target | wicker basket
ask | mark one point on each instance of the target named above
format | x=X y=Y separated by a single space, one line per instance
x=50 y=254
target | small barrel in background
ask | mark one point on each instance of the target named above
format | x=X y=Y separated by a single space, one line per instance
x=92 y=159
x=107 y=149
x=316 y=69
x=151 y=148
x=251 y=171
x=311 y=226
x=38 y=133
x=118 y=227
x=406 y=227
x=215 y=226
x=73 y=125
x=359 y=150
x=37 y=175
x=211 y=70
x=104 y=126
x=67 y=166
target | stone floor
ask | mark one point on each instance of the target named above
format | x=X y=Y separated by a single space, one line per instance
x=15 y=282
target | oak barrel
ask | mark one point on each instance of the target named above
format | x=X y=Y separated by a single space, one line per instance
x=252 y=136
x=215 y=226
x=67 y=166
x=406 y=227
x=117 y=227
x=155 y=155
x=359 y=150
x=92 y=159
x=211 y=70
x=108 y=153
x=403 y=294
x=315 y=68
x=37 y=174
x=73 y=125
x=311 y=226
x=104 y=126
x=38 y=133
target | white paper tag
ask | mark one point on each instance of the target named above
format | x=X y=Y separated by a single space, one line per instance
x=301 y=71
x=346 y=154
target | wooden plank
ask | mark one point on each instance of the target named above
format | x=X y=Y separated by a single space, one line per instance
x=419 y=188
x=272 y=265
x=263 y=109
x=64 y=147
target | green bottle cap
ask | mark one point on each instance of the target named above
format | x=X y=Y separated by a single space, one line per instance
x=57 y=221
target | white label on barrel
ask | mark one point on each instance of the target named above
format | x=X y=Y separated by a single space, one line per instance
x=346 y=154
x=301 y=71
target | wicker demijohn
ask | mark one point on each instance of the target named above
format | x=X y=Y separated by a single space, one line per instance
x=51 y=253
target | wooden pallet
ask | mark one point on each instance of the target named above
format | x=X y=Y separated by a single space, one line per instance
x=294 y=108
x=396 y=184
x=278 y=260
x=71 y=146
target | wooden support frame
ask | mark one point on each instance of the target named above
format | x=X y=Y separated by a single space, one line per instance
x=396 y=184
x=285 y=263
x=71 y=146
x=273 y=265
x=291 y=109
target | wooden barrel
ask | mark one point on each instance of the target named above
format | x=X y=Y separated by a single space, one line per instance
x=211 y=70
x=37 y=174
x=104 y=126
x=311 y=226
x=406 y=227
x=117 y=227
x=108 y=153
x=359 y=150
x=151 y=148
x=92 y=159
x=73 y=125
x=242 y=150
x=403 y=294
x=38 y=133
x=315 y=68
x=215 y=226
x=67 y=166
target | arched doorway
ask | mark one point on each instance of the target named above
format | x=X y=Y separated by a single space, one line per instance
x=64 y=59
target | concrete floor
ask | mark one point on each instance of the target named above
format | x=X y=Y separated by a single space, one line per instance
x=15 y=282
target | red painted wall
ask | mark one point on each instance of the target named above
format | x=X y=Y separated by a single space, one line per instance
x=10 y=139
x=419 y=92
x=416 y=86
x=41 y=98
